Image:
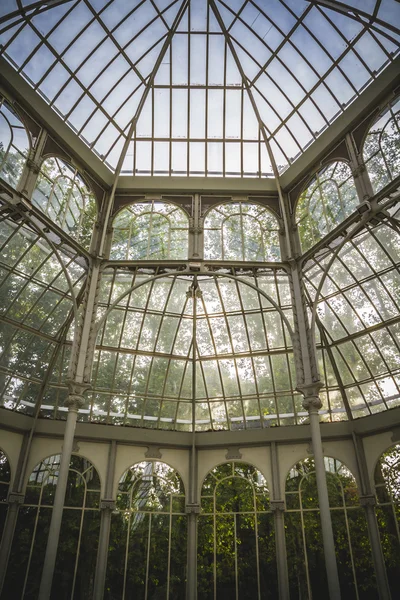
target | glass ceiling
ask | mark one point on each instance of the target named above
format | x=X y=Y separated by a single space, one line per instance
x=199 y=87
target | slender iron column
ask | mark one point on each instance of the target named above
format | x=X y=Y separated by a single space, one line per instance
x=74 y=402
x=312 y=404
x=107 y=505
x=368 y=501
x=15 y=499
x=278 y=508
x=192 y=507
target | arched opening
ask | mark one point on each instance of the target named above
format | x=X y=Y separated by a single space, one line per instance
x=236 y=539
x=381 y=150
x=329 y=198
x=387 y=488
x=76 y=555
x=241 y=231
x=150 y=230
x=14 y=144
x=147 y=548
x=5 y=477
x=304 y=545
x=62 y=194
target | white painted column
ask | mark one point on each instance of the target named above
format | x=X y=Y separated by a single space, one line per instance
x=368 y=501
x=312 y=404
x=107 y=505
x=278 y=508
x=74 y=402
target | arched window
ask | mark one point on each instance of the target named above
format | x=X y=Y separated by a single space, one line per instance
x=148 y=230
x=77 y=549
x=147 y=551
x=14 y=144
x=236 y=539
x=35 y=306
x=381 y=151
x=330 y=197
x=64 y=197
x=241 y=231
x=5 y=476
x=304 y=546
x=387 y=486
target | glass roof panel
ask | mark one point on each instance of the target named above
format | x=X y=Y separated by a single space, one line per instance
x=207 y=83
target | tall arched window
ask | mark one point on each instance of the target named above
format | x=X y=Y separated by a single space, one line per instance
x=147 y=550
x=381 y=151
x=387 y=486
x=77 y=549
x=64 y=197
x=14 y=144
x=241 y=231
x=304 y=547
x=5 y=476
x=148 y=230
x=330 y=197
x=236 y=538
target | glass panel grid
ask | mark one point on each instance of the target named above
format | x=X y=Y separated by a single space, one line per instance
x=36 y=307
x=358 y=315
x=304 y=535
x=244 y=359
x=207 y=99
x=76 y=555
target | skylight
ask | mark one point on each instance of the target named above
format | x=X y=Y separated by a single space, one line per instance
x=212 y=87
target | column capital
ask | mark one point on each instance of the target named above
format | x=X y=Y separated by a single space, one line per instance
x=368 y=500
x=107 y=504
x=75 y=399
x=277 y=506
x=311 y=400
x=192 y=509
x=15 y=498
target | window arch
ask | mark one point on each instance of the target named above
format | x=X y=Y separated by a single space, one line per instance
x=241 y=231
x=64 y=197
x=236 y=539
x=5 y=476
x=329 y=198
x=14 y=144
x=304 y=547
x=387 y=486
x=381 y=150
x=147 y=550
x=77 y=550
x=147 y=230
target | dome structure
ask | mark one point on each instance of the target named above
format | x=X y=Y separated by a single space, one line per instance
x=199 y=299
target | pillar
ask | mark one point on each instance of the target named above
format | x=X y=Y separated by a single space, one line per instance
x=74 y=402
x=107 y=506
x=368 y=501
x=14 y=501
x=312 y=404
x=278 y=508
x=192 y=511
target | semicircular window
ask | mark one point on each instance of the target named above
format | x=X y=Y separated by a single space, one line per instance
x=64 y=197
x=381 y=151
x=147 y=230
x=147 y=555
x=14 y=144
x=241 y=231
x=330 y=197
